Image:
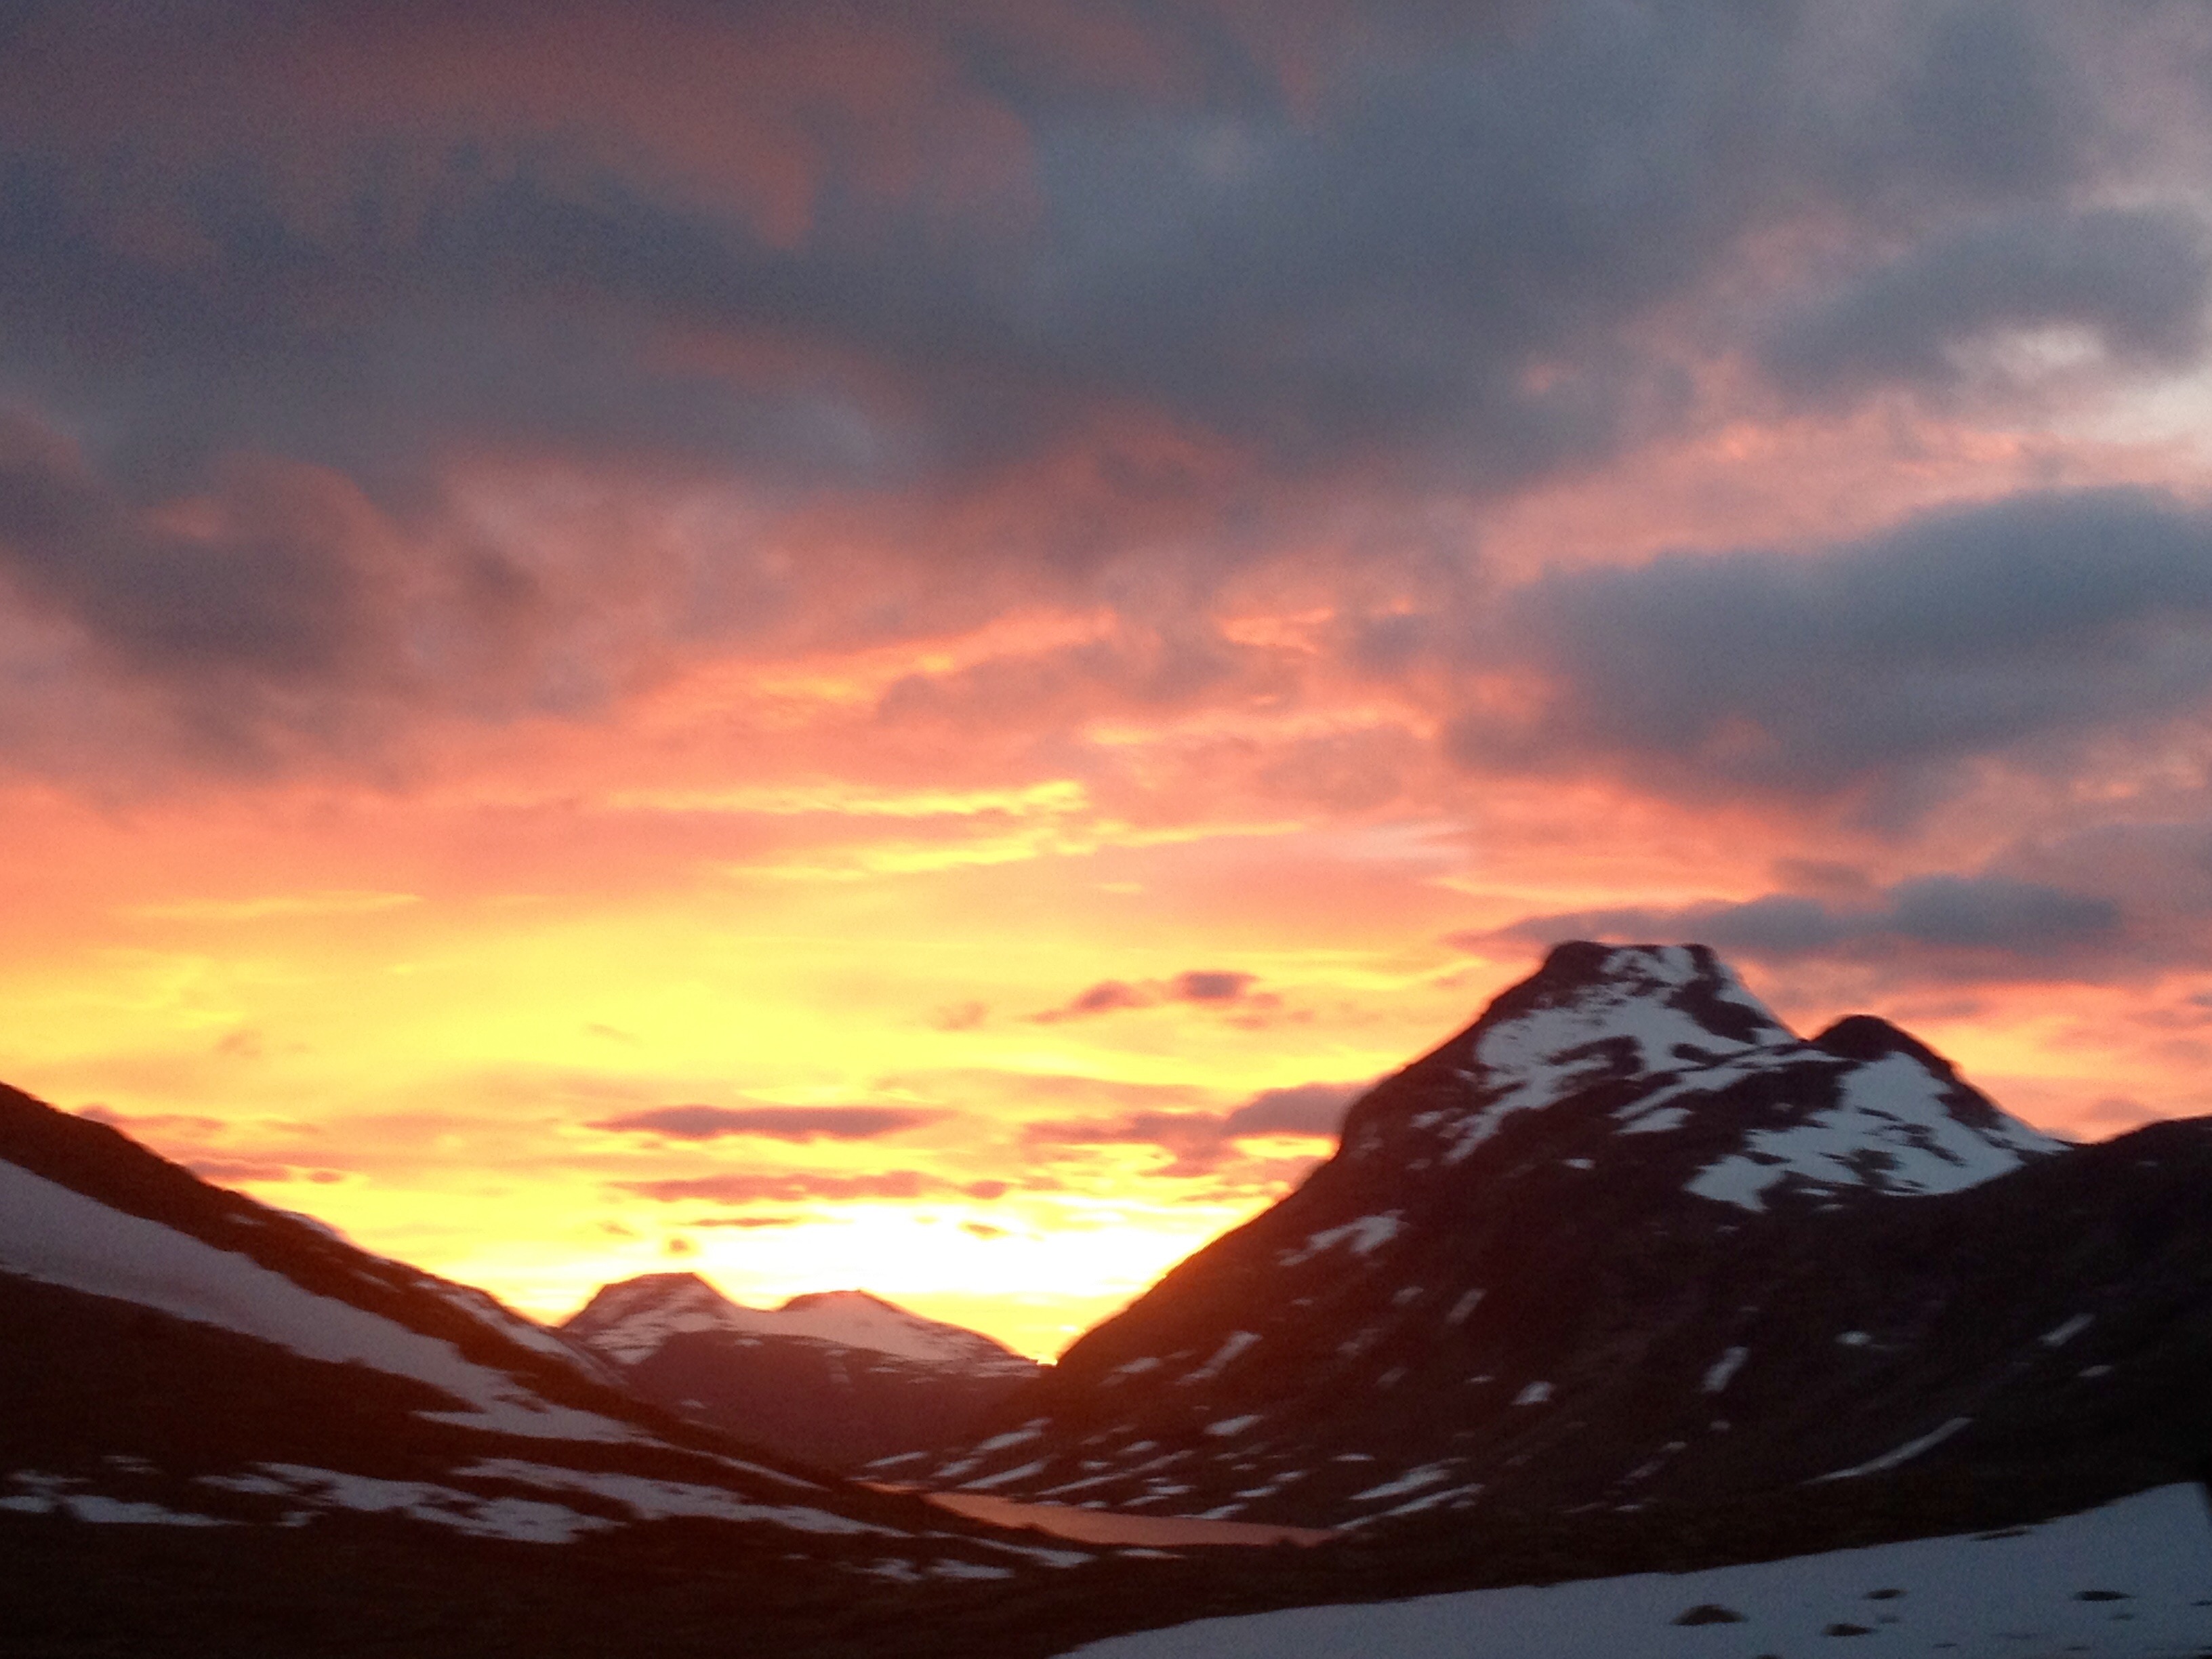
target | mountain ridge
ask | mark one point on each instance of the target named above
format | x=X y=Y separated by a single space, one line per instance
x=1548 y=1250
x=182 y=1357
x=832 y=1377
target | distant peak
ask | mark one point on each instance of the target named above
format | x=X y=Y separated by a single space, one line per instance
x=628 y=1298
x=667 y=1282
x=829 y=1299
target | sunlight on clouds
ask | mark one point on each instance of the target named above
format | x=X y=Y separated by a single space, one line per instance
x=272 y=905
x=1030 y=631
x=1061 y=797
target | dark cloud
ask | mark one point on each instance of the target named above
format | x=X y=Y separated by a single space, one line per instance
x=1325 y=242
x=1197 y=1141
x=792 y=1187
x=795 y=1123
x=279 y=601
x=1996 y=630
x=2136 y=277
x=1309 y=1109
x=1210 y=988
x=1201 y=1141
x=1987 y=926
x=1122 y=265
x=1104 y=998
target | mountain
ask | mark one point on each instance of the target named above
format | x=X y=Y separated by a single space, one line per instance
x=835 y=1379
x=232 y=1404
x=1626 y=1244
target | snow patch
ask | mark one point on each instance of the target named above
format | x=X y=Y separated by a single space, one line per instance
x=2058 y=1336
x=1364 y=1236
x=1006 y=1477
x=1236 y=1343
x=660 y=1500
x=1891 y=1130
x=518 y=1519
x=1657 y=1122
x=1723 y=1369
x=54 y=1494
x=967 y=1570
x=1428 y=1474
x=1904 y=1453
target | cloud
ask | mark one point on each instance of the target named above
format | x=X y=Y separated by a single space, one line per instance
x=2136 y=277
x=1320 y=240
x=1309 y=1109
x=946 y=312
x=1199 y=1142
x=1209 y=987
x=790 y=1188
x=1988 y=926
x=1998 y=630
x=1106 y=997
x=793 y=1123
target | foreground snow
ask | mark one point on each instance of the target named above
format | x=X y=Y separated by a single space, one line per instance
x=2130 y=1581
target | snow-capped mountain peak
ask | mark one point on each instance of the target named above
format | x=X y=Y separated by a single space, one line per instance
x=1648 y=1055
x=629 y=1320
x=1644 y=1007
x=1596 y=1013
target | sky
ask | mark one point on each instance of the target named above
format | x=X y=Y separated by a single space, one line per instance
x=896 y=647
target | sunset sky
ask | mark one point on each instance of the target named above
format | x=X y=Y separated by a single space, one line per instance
x=893 y=645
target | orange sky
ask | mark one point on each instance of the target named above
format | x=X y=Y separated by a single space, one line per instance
x=976 y=594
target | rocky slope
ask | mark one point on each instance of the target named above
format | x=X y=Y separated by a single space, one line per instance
x=1628 y=1241
x=180 y=1357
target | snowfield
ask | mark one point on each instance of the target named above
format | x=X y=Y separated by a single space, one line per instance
x=2132 y=1580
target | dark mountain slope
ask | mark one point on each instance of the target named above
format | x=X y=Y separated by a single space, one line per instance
x=180 y=1357
x=1628 y=1242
